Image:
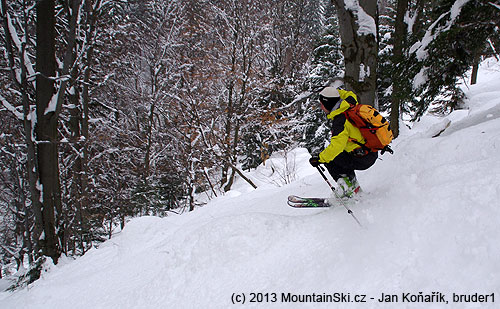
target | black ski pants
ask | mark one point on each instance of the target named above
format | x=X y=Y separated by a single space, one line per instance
x=345 y=163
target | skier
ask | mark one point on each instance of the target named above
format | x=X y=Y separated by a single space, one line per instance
x=344 y=154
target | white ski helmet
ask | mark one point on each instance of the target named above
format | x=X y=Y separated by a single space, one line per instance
x=330 y=98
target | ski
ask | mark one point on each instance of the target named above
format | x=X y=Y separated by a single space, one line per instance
x=307 y=202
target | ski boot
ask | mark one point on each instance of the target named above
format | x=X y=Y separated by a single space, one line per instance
x=349 y=186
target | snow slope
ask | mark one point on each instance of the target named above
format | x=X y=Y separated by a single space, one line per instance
x=430 y=215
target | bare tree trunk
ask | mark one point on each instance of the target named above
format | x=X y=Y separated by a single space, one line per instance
x=78 y=184
x=149 y=142
x=358 y=31
x=21 y=213
x=48 y=107
x=399 y=39
x=229 y=116
x=475 y=69
x=227 y=136
x=232 y=156
x=191 y=181
x=235 y=169
x=85 y=99
x=31 y=164
x=83 y=160
x=46 y=129
x=207 y=177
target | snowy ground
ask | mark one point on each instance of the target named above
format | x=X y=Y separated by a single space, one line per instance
x=431 y=223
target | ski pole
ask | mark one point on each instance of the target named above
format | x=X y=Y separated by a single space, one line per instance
x=349 y=211
x=320 y=170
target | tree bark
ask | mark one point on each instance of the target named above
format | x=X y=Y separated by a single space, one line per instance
x=235 y=169
x=23 y=84
x=399 y=39
x=85 y=100
x=358 y=22
x=227 y=137
x=475 y=68
x=46 y=129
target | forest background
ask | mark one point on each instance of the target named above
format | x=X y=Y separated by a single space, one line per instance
x=112 y=109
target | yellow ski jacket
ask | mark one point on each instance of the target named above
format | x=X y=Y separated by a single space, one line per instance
x=343 y=132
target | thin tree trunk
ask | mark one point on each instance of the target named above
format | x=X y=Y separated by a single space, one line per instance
x=227 y=137
x=31 y=163
x=83 y=160
x=85 y=99
x=232 y=156
x=149 y=134
x=209 y=182
x=235 y=169
x=475 y=69
x=399 y=39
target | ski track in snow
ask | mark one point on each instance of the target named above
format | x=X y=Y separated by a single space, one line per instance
x=430 y=216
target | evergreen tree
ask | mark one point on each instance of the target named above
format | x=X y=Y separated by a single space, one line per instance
x=293 y=29
x=326 y=67
x=444 y=41
x=453 y=52
x=327 y=54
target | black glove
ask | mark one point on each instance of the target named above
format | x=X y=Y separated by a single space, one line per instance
x=314 y=161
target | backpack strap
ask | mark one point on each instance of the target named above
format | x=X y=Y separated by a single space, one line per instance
x=363 y=146
x=351 y=100
x=388 y=149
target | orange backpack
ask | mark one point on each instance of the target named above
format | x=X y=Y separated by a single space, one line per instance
x=374 y=127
